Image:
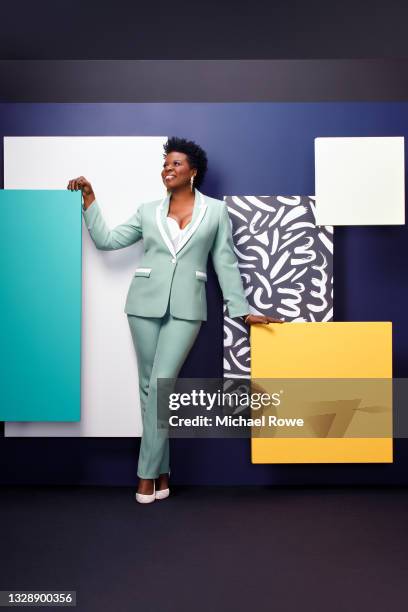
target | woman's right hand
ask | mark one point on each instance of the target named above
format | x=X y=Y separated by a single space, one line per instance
x=86 y=188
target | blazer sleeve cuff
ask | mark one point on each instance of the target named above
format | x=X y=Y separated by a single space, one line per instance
x=234 y=313
x=90 y=213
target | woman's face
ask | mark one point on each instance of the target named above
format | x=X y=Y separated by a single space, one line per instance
x=176 y=170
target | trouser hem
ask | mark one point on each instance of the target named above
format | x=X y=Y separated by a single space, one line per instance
x=153 y=477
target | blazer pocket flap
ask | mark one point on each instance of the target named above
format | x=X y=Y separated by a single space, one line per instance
x=142 y=271
x=201 y=275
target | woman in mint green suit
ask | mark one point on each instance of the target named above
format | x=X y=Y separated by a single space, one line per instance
x=166 y=301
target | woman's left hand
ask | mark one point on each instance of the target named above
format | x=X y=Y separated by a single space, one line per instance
x=254 y=319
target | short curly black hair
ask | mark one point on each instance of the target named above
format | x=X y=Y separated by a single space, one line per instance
x=197 y=157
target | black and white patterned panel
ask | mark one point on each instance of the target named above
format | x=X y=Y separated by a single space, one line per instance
x=286 y=264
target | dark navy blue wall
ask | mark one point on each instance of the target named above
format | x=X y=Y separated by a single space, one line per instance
x=253 y=148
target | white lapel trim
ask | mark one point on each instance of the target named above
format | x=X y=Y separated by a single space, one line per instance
x=163 y=232
x=202 y=209
x=193 y=228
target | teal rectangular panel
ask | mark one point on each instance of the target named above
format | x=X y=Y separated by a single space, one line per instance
x=40 y=305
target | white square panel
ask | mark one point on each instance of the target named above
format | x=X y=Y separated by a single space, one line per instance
x=360 y=181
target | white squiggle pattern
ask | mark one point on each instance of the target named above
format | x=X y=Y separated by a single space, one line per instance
x=286 y=265
x=292 y=309
x=321 y=284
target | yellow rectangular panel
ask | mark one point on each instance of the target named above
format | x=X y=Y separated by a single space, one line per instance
x=322 y=350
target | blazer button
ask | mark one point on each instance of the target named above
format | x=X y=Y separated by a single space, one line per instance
x=173 y=260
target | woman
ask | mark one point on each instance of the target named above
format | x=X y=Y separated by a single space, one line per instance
x=166 y=301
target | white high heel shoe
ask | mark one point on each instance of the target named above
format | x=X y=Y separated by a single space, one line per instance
x=142 y=498
x=162 y=493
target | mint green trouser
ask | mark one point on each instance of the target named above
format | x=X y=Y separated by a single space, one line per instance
x=162 y=345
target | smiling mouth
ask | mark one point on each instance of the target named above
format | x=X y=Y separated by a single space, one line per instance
x=169 y=177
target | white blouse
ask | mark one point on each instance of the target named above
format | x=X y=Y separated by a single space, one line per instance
x=176 y=233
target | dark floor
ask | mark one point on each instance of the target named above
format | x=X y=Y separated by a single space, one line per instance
x=209 y=548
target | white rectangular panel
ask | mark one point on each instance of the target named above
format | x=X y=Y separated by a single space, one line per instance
x=124 y=172
x=360 y=181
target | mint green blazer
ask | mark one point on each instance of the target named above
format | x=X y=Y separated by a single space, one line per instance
x=165 y=273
